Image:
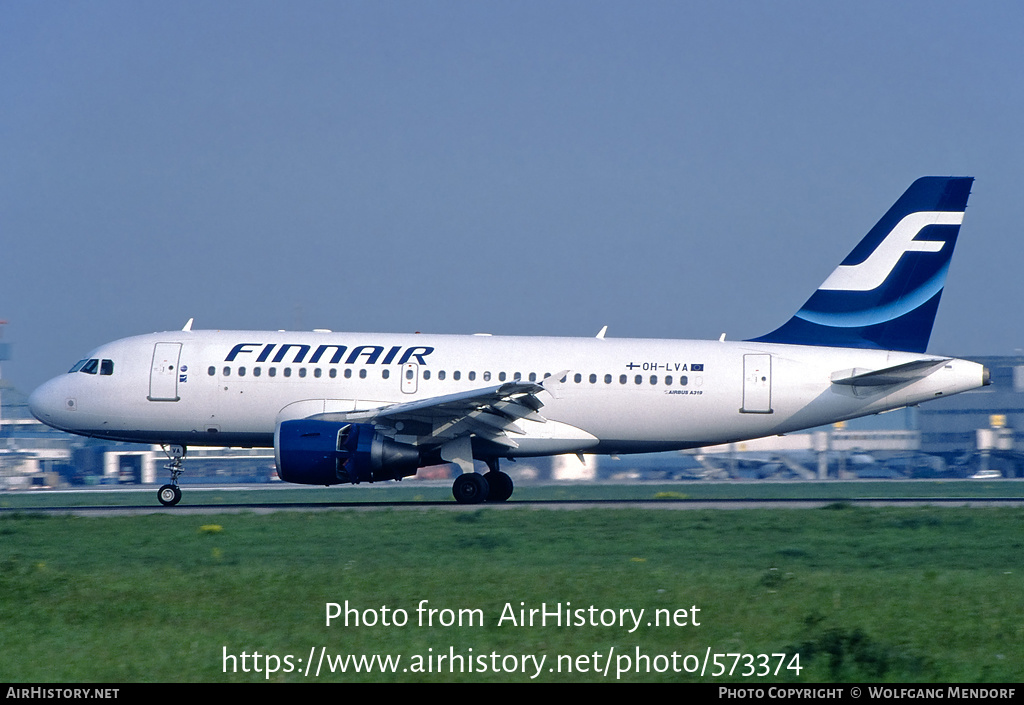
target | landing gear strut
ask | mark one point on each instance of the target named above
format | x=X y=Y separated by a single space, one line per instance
x=474 y=488
x=170 y=494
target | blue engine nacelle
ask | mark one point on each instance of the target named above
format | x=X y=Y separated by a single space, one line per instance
x=313 y=452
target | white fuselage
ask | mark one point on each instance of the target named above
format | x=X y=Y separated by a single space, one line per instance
x=232 y=388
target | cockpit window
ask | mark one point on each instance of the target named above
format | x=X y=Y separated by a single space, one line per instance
x=91 y=367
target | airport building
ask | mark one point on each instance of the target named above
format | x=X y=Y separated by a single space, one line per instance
x=980 y=424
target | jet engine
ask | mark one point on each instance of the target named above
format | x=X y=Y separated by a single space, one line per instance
x=314 y=452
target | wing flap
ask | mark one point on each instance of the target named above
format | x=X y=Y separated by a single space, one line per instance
x=515 y=410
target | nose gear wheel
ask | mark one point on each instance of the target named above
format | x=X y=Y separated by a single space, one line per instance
x=170 y=494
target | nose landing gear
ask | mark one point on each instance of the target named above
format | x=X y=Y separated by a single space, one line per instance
x=170 y=494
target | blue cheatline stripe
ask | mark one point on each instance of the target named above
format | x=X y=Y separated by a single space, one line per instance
x=879 y=314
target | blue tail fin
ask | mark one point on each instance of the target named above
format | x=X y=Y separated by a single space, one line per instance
x=886 y=292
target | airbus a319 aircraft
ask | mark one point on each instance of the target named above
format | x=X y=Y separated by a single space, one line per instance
x=364 y=407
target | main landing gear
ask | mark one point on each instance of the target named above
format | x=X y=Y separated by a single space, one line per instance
x=170 y=494
x=474 y=488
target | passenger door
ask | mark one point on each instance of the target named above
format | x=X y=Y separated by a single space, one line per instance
x=163 y=376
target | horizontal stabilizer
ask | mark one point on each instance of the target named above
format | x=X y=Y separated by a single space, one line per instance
x=898 y=374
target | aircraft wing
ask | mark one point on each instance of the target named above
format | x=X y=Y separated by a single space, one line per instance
x=449 y=421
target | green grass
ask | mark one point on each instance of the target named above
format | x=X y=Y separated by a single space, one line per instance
x=894 y=594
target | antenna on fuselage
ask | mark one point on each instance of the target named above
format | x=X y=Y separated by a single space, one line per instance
x=188 y=324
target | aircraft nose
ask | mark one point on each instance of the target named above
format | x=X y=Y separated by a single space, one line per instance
x=48 y=402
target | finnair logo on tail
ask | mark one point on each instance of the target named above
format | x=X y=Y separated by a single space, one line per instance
x=872 y=272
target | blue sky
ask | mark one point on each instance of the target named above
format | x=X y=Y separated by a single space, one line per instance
x=667 y=169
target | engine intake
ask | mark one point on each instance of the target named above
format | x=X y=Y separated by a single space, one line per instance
x=312 y=452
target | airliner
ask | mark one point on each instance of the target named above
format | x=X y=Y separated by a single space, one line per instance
x=364 y=407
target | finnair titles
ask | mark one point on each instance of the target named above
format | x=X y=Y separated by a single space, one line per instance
x=344 y=408
x=365 y=354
